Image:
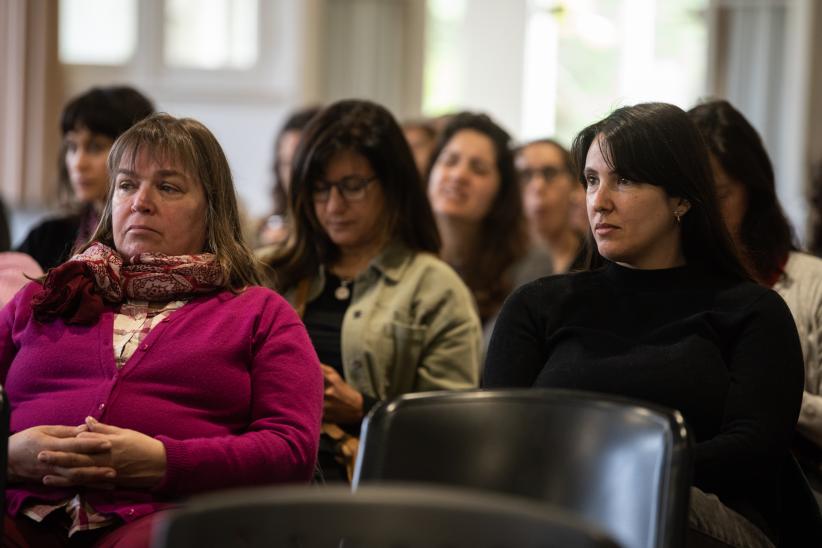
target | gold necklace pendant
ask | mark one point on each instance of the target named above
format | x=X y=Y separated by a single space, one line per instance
x=343 y=293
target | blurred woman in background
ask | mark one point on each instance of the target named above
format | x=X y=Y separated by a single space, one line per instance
x=474 y=193
x=274 y=229
x=746 y=189
x=549 y=199
x=90 y=123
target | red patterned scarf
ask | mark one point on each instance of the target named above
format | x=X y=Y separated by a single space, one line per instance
x=77 y=290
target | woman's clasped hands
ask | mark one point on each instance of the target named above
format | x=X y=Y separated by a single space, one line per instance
x=93 y=454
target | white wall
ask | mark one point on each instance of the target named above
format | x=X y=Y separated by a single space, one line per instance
x=493 y=49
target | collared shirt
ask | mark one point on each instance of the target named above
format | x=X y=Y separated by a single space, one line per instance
x=412 y=325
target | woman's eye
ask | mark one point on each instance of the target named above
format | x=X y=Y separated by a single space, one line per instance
x=125 y=184
x=590 y=180
x=169 y=188
x=451 y=160
x=623 y=181
x=480 y=169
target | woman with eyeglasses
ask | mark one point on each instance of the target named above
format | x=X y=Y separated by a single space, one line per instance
x=386 y=316
x=551 y=199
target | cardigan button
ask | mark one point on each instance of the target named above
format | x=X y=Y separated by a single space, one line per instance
x=357 y=313
x=101 y=406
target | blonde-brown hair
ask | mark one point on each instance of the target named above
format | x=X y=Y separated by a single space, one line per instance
x=192 y=147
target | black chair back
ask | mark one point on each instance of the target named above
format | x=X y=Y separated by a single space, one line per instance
x=380 y=516
x=622 y=465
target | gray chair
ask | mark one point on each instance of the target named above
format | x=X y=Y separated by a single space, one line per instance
x=622 y=465
x=380 y=516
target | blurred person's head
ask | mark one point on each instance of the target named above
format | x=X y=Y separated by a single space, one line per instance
x=548 y=186
x=745 y=187
x=650 y=193
x=472 y=177
x=285 y=146
x=472 y=184
x=90 y=123
x=355 y=188
x=172 y=194
x=421 y=137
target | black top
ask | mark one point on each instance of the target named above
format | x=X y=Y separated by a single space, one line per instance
x=323 y=320
x=50 y=243
x=725 y=354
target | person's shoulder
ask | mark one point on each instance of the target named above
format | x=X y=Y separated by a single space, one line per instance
x=251 y=295
x=746 y=296
x=559 y=287
x=804 y=267
x=424 y=263
x=428 y=274
x=57 y=224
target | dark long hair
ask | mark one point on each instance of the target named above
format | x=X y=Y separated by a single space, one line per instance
x=765 y=232
x=370 y=130
x=656 y=143
x=502 y=231
x=108 y=111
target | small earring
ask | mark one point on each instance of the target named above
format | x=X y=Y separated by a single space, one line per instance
x=678 y=215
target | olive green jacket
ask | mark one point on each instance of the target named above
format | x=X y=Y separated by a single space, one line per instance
x=412 y=326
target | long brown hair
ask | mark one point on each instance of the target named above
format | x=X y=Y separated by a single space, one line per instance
x=502 y=231
x=190 y=145
x=371 y=131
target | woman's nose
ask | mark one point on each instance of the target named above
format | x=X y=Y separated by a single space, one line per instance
x=336 y=201
x=78 y=160
x=600 y=198
x=142 y=201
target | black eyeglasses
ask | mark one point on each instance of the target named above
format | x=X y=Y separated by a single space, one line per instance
x=352 y=189
x=548 y=174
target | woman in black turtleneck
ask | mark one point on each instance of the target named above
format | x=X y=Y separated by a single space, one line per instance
x=669 y=316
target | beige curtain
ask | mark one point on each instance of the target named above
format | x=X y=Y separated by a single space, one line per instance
x=29 y=102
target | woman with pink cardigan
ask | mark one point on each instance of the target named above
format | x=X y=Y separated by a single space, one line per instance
x=151 y=365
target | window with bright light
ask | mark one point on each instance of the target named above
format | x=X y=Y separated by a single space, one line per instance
x=442 y=83
x=211 y=34
x=580 y=59
x=611 y=53
x=97 y=32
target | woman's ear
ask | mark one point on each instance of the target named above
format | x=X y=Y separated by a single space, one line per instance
x=681 y=208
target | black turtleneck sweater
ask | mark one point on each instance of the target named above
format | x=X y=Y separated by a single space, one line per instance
x=725 y=354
